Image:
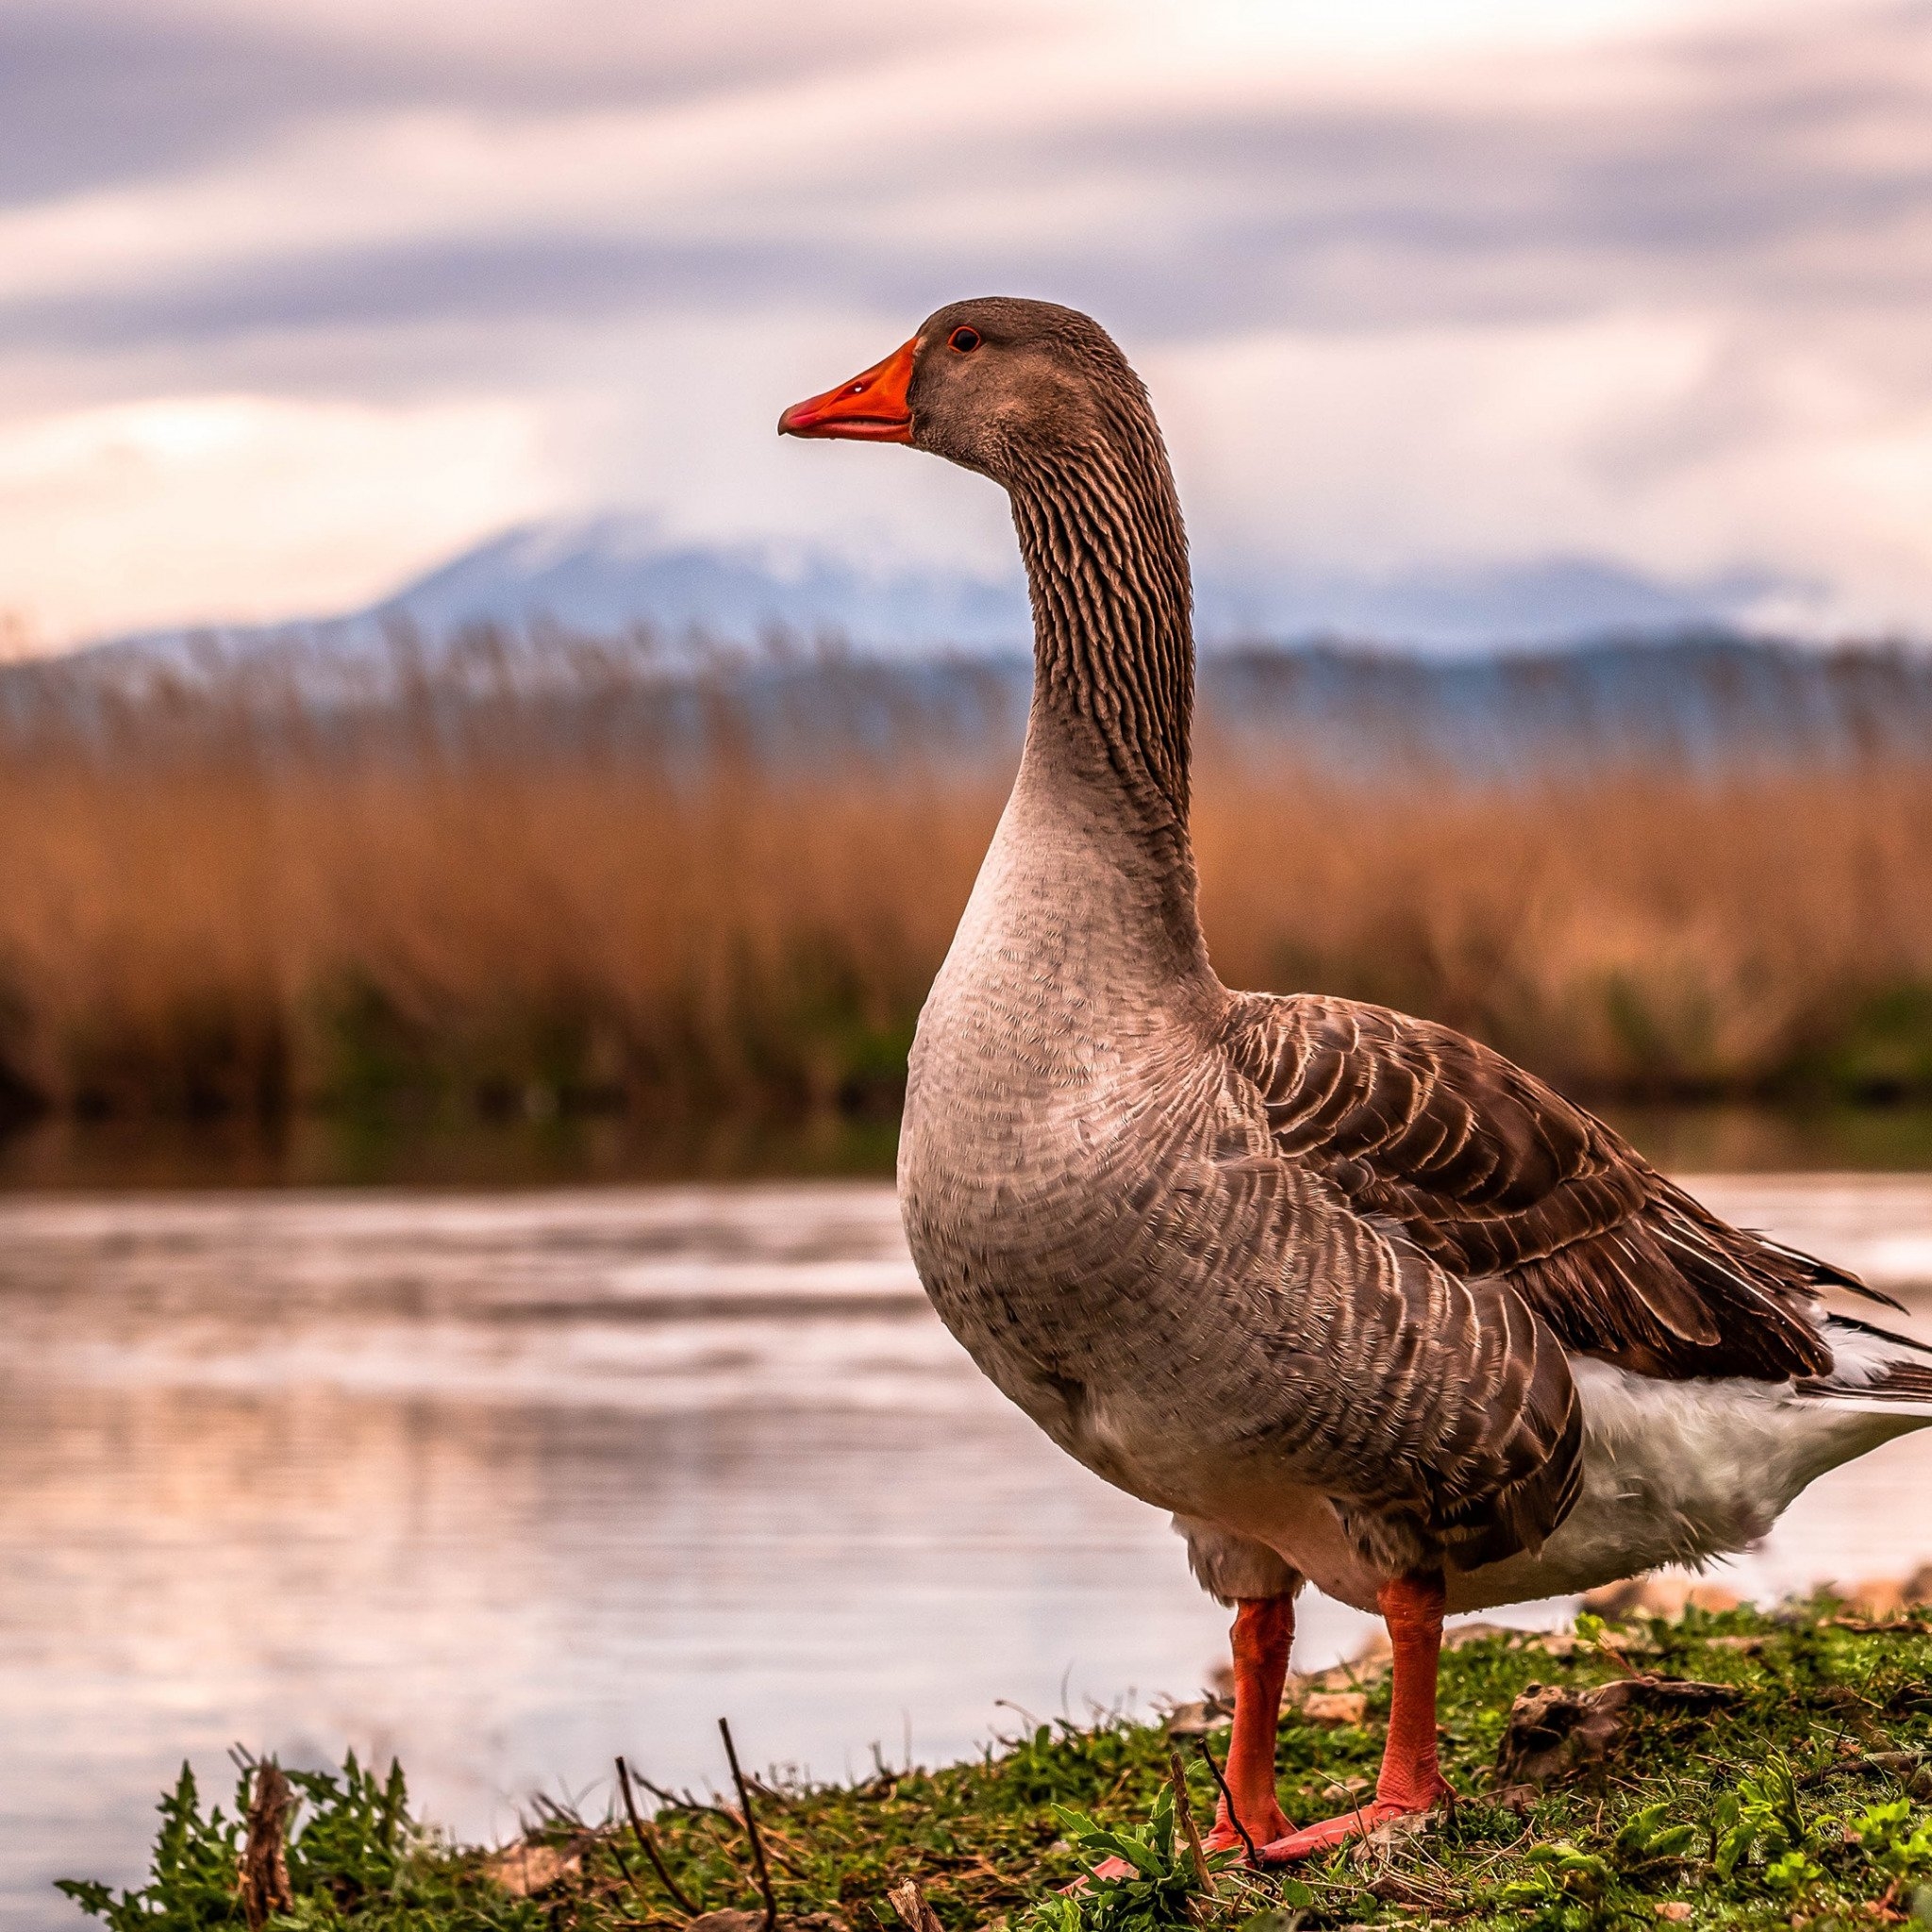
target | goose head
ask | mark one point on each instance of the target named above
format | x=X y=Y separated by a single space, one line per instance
x=999 y=385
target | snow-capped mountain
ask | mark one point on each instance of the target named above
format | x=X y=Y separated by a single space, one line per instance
x=605 y=575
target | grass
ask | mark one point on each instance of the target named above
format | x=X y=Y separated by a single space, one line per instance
x=1799 y=1805
x=473 y=890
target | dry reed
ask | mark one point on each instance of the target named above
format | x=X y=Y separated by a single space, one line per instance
x=605 y=888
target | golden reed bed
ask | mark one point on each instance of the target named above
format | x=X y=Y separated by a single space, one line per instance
x=220 y=895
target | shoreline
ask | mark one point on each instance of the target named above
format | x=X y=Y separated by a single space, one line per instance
x=1790 y=1784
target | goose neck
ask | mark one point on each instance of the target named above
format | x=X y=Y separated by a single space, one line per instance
x=1107 y=568
x=1108 y=736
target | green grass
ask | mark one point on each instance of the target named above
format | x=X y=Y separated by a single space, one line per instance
x=1798 y=1805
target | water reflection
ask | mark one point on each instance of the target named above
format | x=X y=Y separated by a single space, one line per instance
x=508 y=1483
x=404 y=1149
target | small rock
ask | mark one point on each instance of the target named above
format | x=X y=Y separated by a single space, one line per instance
x=525 y=1868
x=1917 y=1588
x=1677 y=1910
x=1335 y=1707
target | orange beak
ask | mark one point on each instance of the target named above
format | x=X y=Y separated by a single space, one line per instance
x=871 y=407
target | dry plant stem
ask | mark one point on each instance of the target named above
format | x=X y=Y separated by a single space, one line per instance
x=1185 y=1807
x=648 y=1843
x=751 y=1828
x=264 y=1886
x=224 y=901
x=1228 y=1799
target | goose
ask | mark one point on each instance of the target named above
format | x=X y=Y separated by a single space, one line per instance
x=1358 y=1301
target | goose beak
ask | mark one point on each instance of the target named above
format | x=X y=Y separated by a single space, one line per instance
x=872 y=408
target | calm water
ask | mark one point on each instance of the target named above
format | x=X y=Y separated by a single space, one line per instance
x=507 y=1483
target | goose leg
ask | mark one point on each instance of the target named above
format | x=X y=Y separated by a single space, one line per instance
x=1263 y=1630
x=1410 y=1783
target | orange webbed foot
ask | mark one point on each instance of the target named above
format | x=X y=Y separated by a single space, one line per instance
x=1313 y=1839
x=1270 y=1823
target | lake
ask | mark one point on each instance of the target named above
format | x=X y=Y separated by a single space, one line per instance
x=508 y=1482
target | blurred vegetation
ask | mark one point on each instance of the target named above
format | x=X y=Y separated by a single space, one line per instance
x=559 y=879
x=1803 y=1803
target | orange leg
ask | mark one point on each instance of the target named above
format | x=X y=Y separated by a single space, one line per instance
x=1263 y=1630
x=1410 y=1783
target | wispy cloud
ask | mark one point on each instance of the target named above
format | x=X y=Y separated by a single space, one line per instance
x=1455 y=288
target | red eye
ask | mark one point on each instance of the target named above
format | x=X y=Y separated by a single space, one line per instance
x=964 y=339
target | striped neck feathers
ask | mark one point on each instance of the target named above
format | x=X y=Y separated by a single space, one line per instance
x=1106 y=566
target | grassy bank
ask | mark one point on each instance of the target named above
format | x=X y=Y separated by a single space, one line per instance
x=469 y=889
x=1795 y=1797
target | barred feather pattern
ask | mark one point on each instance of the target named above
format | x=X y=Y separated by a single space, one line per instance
x=1491 y=1173
x=1305 y=1272
x=1114 y=650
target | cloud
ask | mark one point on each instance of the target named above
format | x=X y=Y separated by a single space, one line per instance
x=1792 y=163
x=233 y=508
x=1456 y=287
x=94 y=92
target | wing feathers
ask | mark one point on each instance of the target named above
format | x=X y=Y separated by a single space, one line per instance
x=1492 y=1173
x=1544 y=1235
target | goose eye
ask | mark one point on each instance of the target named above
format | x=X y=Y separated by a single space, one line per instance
x=964 y=339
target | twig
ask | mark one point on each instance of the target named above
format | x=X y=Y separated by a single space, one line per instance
x=648 y=1843
x=1228 y=1798
x=1185 y=1805
x=751 y=1828
x=908 y=1901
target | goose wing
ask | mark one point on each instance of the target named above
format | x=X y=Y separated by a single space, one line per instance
x=1496 y=1176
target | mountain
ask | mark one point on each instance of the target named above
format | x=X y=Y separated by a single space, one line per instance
x=947 y=654
x=605 y=574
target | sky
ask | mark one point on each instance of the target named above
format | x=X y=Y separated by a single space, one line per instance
x=300 y=297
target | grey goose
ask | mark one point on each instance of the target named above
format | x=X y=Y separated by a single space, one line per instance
x=1359 y=1301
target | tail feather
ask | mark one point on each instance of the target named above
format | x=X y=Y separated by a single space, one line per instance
x=1875 y=1369
x=1824 y=1274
